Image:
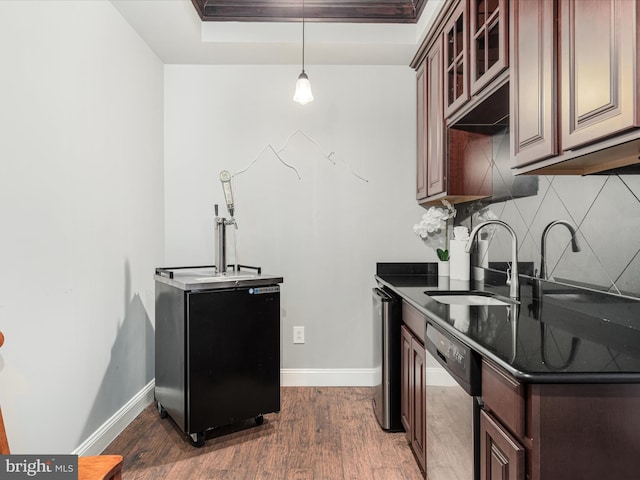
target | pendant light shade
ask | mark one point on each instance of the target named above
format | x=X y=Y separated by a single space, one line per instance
x=303 y=93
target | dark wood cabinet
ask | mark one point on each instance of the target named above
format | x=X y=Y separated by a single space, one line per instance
x=413 y=388
x=430 y=171
x=550 y=431
x=421 y=131
x=533 y=74
x=502 y=430
x=574 y=85
x=476 y=49
x=454 y=156
x=505 y=397
x=418 y=403
x=451 y=164
x=489 y=41
x=501 y=456
x=456 y=58
x=435 y=134
x=406 y=382
x=599 y=69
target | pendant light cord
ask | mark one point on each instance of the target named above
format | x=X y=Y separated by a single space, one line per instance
x=303 y=93
x=302 y=36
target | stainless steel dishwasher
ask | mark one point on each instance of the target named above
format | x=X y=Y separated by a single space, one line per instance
x=453 y=409
x=387 y=316
x=217 y=347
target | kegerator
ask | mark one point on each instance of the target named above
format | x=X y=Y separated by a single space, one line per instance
x=217 y=351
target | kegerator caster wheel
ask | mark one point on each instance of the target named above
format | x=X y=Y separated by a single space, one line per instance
x=259 y=420
x=162 y=411
x=197 y=439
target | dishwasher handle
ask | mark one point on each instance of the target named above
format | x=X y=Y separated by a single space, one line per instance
x=441 y=355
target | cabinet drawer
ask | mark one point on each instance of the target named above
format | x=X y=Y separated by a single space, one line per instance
x=414 y=320
x=504 y=396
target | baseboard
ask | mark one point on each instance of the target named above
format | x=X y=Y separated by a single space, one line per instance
x=101 y=438
x=327 y=377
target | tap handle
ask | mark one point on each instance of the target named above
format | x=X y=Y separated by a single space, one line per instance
x=215 y=208
x=225 y=178
x=508 y=275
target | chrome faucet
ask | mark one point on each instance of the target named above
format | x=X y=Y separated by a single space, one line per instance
x=543 y=244
x=512 y=273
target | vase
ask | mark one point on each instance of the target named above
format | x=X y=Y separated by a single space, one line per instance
x=443 y=268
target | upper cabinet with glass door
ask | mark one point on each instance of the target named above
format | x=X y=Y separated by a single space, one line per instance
x=476 y=49
x=489 y=41
x=456 y=64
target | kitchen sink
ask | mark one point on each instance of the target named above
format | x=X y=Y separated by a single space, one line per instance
x=471 y=297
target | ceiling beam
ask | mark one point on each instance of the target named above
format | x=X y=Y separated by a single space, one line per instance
x=355 y=11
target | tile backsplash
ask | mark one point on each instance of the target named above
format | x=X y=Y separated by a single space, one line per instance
x=604 y=209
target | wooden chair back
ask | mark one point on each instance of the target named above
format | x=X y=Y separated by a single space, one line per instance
x=4 y=443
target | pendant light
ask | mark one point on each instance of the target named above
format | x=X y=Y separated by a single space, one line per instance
x=303 y=93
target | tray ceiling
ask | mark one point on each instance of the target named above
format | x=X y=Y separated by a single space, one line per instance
x=354 y=11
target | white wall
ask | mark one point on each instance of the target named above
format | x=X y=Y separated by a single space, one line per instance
x=81 y=209
x=323 y=232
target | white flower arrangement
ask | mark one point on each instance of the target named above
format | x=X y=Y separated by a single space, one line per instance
x=431 y=226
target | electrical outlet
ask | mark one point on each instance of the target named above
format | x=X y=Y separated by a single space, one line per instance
x=298 y=334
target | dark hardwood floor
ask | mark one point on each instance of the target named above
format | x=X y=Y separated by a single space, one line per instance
x=321 y=433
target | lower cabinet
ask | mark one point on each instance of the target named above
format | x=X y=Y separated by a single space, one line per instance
x=413 y=394
x=418 y=403
x=553 y=431
x=406 y=373
x=501 y=456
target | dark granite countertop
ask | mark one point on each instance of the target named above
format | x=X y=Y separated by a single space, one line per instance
x=557 y=334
